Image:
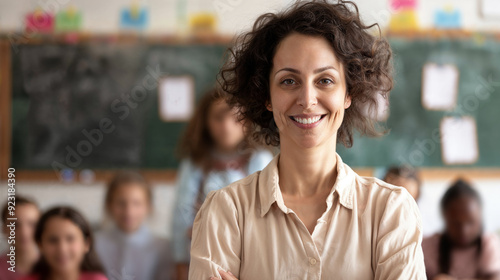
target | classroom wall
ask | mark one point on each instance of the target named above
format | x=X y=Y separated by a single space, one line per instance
x=234 y=15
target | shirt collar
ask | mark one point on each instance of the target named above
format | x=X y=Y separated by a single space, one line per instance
x=269 y=190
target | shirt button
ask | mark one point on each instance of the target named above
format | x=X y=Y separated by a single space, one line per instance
x=312 y=261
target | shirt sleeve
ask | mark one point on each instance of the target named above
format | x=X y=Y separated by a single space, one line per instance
x=216 y=242
x=398 y=250
x=184 y=210
x=490 y=256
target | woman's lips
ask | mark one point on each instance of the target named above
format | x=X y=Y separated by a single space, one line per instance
x=307 y=121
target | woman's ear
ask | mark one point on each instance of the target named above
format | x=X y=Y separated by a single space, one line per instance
x=347 y=102
x=269 y=107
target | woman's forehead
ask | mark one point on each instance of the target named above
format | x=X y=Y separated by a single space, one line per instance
x=306 y=52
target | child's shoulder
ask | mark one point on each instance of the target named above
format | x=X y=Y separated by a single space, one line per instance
x=93 y=276
x=30 y=277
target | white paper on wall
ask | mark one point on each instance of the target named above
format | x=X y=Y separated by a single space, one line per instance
x=176 y=98
x=439 y=86
x=459 y=140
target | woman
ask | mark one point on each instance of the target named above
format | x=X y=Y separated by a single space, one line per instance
x=302 y=77
x=463 y=251
x=215 y=153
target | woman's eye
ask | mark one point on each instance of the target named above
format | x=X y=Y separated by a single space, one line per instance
x=288 y=82
x=325 y=81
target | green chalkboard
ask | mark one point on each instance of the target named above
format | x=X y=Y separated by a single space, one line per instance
x=63 y=93
x=411 y=139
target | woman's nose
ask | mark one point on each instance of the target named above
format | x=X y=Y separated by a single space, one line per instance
x=307 y=97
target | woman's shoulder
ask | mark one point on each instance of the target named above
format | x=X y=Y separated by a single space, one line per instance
x=93 y=276
x=378 y=189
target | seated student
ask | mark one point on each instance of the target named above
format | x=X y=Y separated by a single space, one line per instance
x=128 y=248
x=462 y=251
x=215 y=153
x=67 y=248
x=406 y=177
x=26 y=252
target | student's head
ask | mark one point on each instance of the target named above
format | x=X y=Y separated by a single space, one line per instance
x=213 y=126
x=128 y=200
x=461 y=209
x=27 y=213
x=406 y=177
x=306 y=75
x=66 y=244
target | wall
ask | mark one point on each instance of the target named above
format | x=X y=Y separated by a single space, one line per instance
x=234 y=15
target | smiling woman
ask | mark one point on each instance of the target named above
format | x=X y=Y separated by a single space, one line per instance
x=303 y=77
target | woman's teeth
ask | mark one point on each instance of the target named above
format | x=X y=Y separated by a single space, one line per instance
x=307 y=120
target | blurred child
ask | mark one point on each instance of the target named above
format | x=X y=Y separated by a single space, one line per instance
x=462 y=251
x=406 y=177
x=215 y=153
x=26 y=252
x=128 y=248
x=66 y=245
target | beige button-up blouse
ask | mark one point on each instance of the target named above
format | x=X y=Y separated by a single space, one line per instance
x=370 y=230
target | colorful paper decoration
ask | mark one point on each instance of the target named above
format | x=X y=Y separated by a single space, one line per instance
x=447 y=19
x=404 y=17
x=69 y=20
x=203 y=23
x=39 y=22
x=398 y=5
x=134 y=17
x=405 y=20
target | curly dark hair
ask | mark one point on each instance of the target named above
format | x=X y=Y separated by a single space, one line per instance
x=366 y=59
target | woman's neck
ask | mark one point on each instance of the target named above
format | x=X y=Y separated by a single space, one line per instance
x=305 y=172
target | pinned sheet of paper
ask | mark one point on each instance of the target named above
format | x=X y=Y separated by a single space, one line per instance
x=176 y=98
x=439 y=86
x=459 y=140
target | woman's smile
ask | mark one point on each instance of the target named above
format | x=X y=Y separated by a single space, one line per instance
x=307 y=121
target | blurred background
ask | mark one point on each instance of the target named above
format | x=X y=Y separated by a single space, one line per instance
x=91 y=87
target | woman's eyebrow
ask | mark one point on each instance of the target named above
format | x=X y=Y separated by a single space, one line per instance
x=288 y=69
x=316 y=71
x=319 y=70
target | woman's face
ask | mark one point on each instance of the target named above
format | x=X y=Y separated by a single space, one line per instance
x=308 y=91
x=27 y=216
x=129 y=207
x=225 y=129
x=463 y=220
x=63 y=245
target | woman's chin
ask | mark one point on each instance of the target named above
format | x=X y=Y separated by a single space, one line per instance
x=308 y=141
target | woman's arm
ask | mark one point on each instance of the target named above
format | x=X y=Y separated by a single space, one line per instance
x=398 y=251
x=216 y=242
